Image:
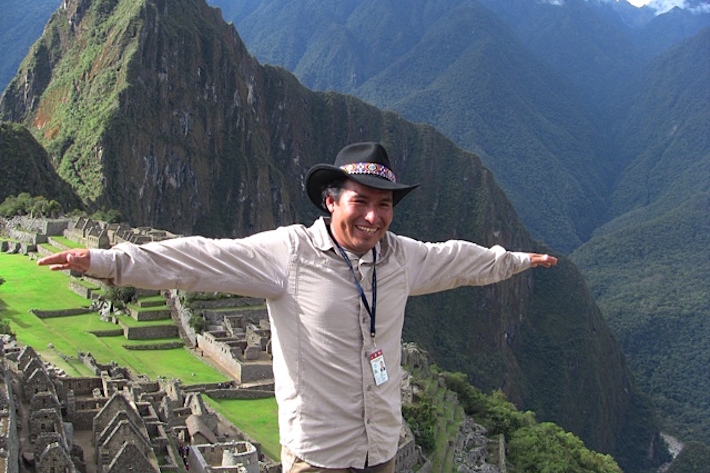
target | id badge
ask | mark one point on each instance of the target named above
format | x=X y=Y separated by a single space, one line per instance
x=377 y=361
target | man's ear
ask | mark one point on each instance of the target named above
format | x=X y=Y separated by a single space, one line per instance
x=329 y=203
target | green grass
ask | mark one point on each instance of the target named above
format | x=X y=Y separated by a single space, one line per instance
x=450 y=416
x=50 y=247
x=85 y=283
x=29 y=286
x=131 y=322
x=157 y=298
x=258 y=417
x=66 y=242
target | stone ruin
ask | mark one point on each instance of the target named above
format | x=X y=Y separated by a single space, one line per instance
x=237 y=338
x=110 y=423
x=98 y=234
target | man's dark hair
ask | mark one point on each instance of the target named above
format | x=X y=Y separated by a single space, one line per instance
x=334 y=189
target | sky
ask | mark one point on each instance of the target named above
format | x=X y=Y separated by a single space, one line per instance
x=662 y=6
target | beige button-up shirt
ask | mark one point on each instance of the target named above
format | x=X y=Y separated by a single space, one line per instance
x=331 y=412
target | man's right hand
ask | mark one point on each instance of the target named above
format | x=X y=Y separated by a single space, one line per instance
x=78 y=259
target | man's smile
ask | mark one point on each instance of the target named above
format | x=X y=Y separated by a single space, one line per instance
x=370 y=230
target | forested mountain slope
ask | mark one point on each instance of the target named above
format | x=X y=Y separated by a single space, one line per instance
x=25 y=167
x=595 y=61
x=156 y=108
x=655 y=296
x=457 y=66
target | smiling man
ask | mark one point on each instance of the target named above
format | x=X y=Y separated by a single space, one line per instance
x=336 y=293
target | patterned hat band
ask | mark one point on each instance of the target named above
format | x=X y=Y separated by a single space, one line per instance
x=374 y=169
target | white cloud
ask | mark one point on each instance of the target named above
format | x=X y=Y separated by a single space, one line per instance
x=702 y=8
x=663 y=6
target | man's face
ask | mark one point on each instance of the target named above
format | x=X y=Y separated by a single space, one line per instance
x=361 y=217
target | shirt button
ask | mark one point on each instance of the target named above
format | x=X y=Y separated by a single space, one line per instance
x=369 y=388
x=364 y=320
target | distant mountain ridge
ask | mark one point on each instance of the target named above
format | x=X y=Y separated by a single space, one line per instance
x=156 y=108
x=526 y=97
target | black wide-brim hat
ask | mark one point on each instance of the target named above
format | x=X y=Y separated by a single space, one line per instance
x=366 y=163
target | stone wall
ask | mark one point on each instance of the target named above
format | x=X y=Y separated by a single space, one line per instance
x=84 y=419
x=407 y=454
x=42 y=251
x=107 y=333
x=8 y=425
x=152 y=332
x=48 y=314
x=155 y=346
x=183 y=315
x=203 y=457
x=81 y=386
x=25 y=236
x=45 y=226
x=147 y=315
x=239 y=393
x=81 y=289
x=221 y=354
x=222 y=302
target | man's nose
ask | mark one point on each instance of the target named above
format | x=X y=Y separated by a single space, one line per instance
x=371 y=214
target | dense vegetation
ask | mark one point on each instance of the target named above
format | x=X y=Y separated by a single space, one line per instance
x=25 y=204
x=531 y=446
x=656 y=300
x=40 y=207
x=694 y=458
x=653 y=294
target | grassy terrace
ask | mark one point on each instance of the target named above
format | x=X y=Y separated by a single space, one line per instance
x=256 y=416
x=157 y=298
x=28 y=286
x=66 y=242
x=58 y=340
x=131 y=322
x=449 y=416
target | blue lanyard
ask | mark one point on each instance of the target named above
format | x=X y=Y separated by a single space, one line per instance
x=372 y=310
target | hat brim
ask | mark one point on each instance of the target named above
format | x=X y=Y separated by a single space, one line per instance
x=320 y=175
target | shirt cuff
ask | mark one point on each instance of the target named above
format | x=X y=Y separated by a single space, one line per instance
x=100 y=264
